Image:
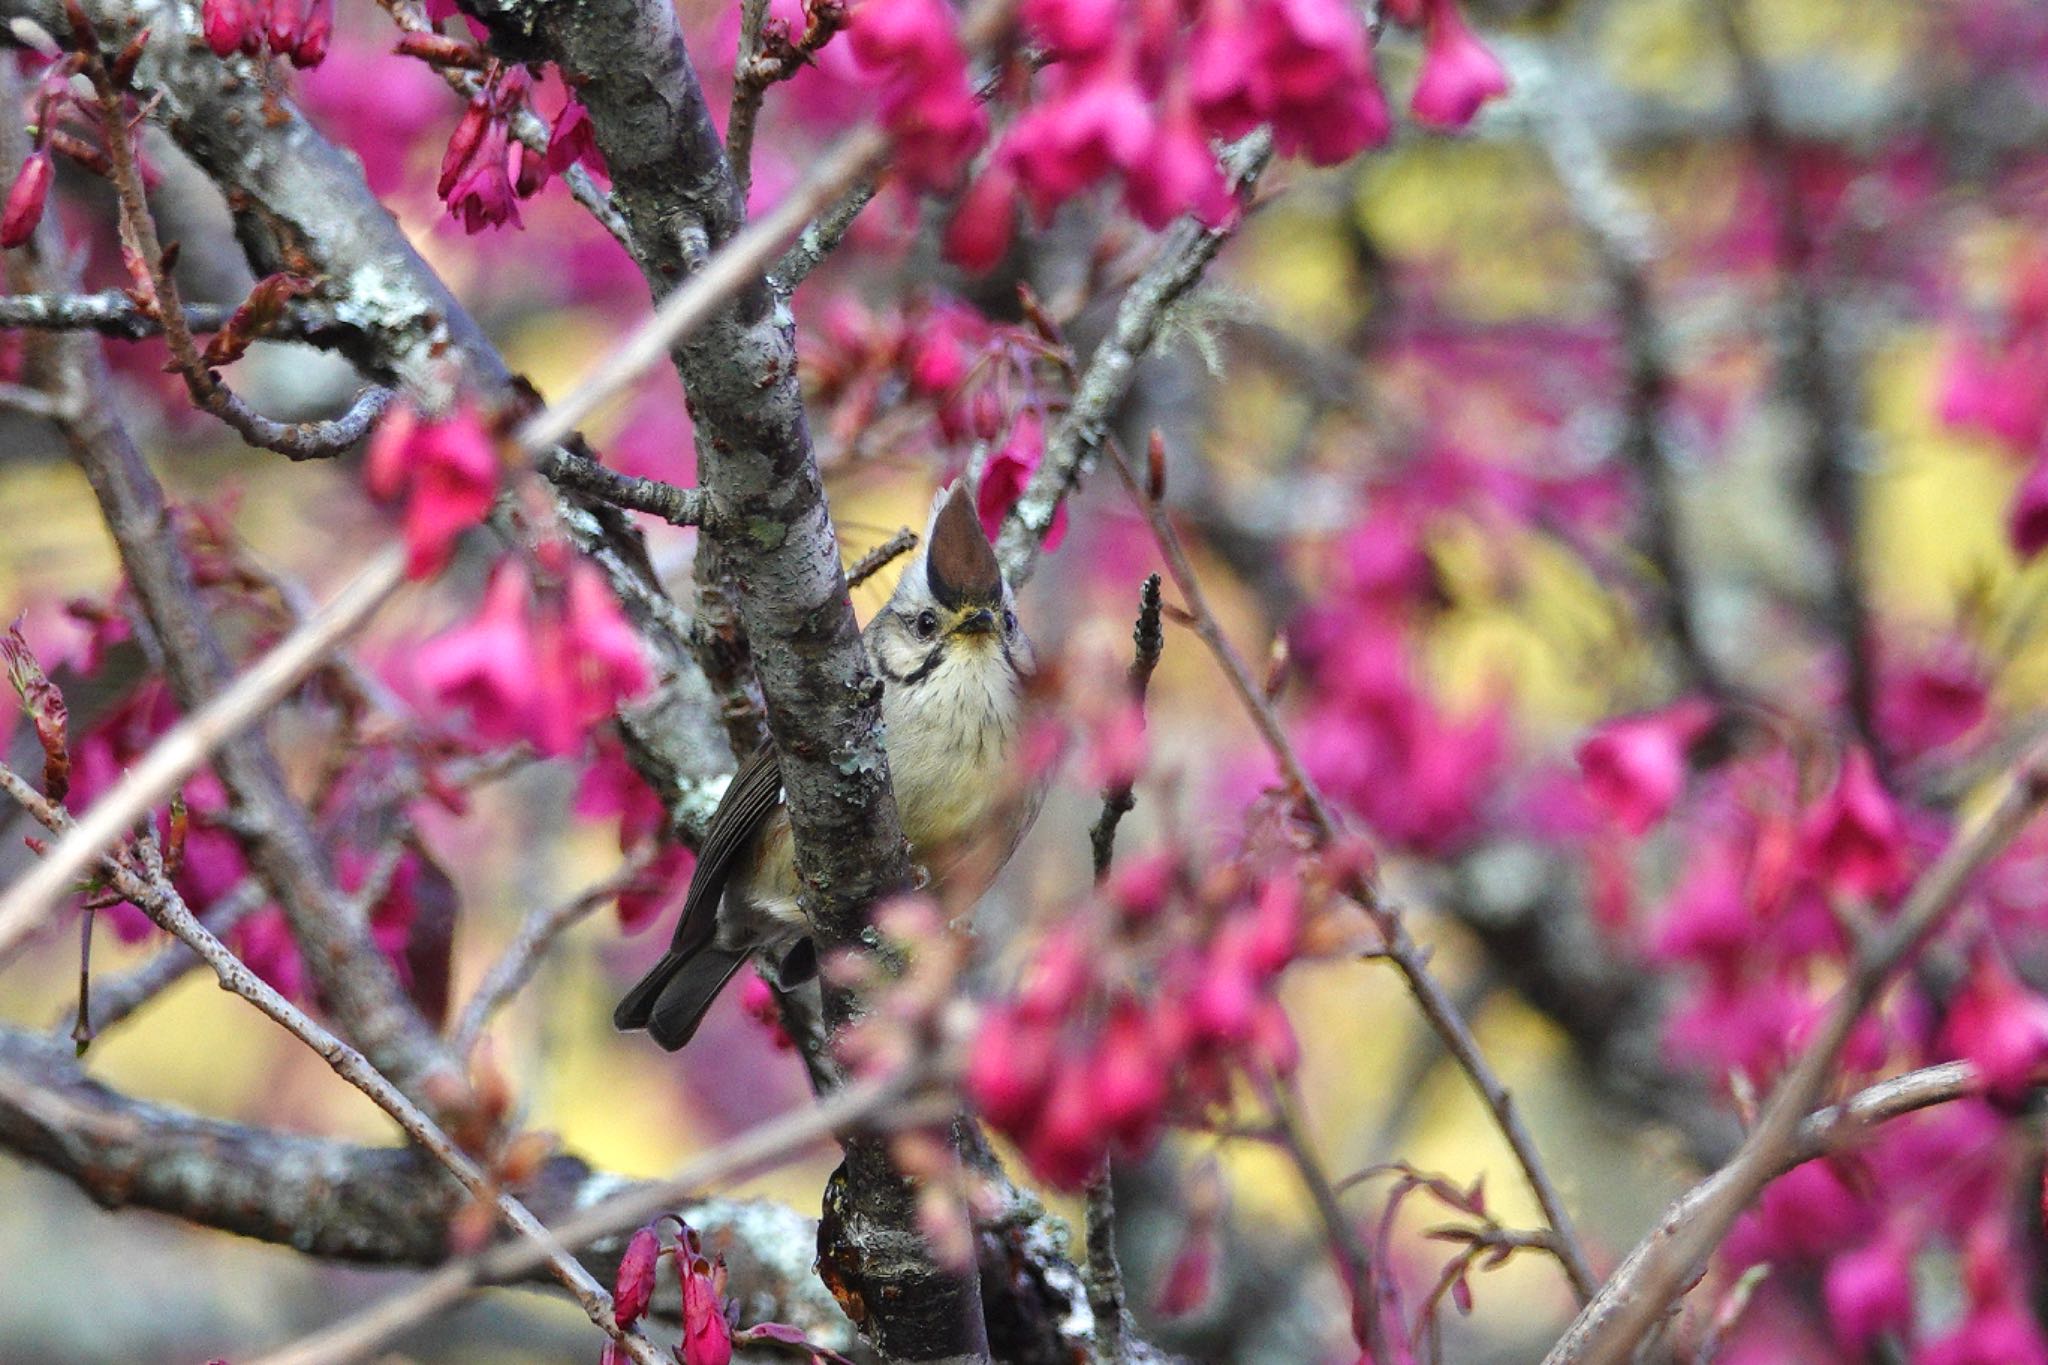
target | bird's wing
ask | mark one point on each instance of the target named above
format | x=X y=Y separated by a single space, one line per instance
x=754 y=793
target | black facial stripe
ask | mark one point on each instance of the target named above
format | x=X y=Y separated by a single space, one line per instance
x=918 y=674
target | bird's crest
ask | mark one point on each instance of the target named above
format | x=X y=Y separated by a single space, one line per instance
x=960 y=564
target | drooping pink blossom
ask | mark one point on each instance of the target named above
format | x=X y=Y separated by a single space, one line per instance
x=1869 y=1291
x=1009 y=472
x=1855 y=838
x=1635 y=767
x=482 y=195
x=1999 y=1026
x=1178 y=174
x=707 y=1334
x=1458 y=74
x=486 y=667
x=310 y=48
x=1932 y=703
x=447 y=470
x=572 y=140
x=985 y=220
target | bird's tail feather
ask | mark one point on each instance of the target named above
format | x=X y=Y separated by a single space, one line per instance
x=670 y=1001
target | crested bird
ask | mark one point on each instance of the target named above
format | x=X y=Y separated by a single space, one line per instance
x=953 y=663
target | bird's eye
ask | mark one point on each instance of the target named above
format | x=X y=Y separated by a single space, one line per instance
x=1009 y=621
x=927 y=624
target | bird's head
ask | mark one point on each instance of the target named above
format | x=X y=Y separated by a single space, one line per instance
x=952 y=604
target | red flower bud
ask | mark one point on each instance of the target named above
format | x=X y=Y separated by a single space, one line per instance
x=26 y=199
x=283 y=28
x=226 y=25
x=634 y=1287
x=311 y=49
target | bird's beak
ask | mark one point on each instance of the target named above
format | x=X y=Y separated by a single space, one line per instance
x=980 y=621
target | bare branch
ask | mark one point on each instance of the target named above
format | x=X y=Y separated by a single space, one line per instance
x=113 y=314
x=510 y=973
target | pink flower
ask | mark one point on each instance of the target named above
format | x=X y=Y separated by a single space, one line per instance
x=1869 y=1291
x=707 y=1336
x=283 y=28
x=1854 y=837
x=1065 y=144
x=634 y=1288
x=917 y=35
x=1458 y=73
x=1635 y=768
x=927 y=105
x=225 y=24
x=1998 y=396
x=311 y=48
x=481 y=195
x=2027 y=520
x=25 y=199
x=1928 y=705
x=486 y=667
x=1008 y=474
x=1130 y=1075
x=1178 y=175
x=572 y=140
x=607 y=665
x=2000 y=1027
x=979 y=235
x=1073 y=29
x=448 y=470
x=1009 y=1068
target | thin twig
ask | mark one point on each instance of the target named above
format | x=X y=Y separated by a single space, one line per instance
x=1182 y=258
x=1149 y=640
x=1409 y=959
x=155 y=896
x=114 y=314
x=823 y=236
x=1354 y=1261
x=1620 y=235
x=298 y=440
x=1636 y=1296
x=114 y=1000
x=1815 y=381
x=751 y=1153
x=881 y=557
x=510 y=973
x=675 y=505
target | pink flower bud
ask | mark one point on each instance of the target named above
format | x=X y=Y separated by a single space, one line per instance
x=311 y=48
x=225 y=24
x=462 y=145
x=1009 y=1068
x=1869 y=1292
x=1635 y=768
x=1854 y=838
x=707 y=1336
x=1140 y=885
x=1070 y=1139
x=31 y=190
x=283 y=28
x=1129 y=1076
x=979 y=236
x=634 y=1287
x=2001 y=1027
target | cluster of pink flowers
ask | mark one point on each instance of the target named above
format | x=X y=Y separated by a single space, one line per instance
x=446 y=468
x=539 y=664
x=1139 y=1014
x=979 y=379
x=1374 y=736
x=1997 y=386
x=1140 y=92
x=914 y=47
x=707 y=1325
x=485 y=172
x=293 y=29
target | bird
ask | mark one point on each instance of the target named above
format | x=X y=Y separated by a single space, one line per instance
x=954 y=664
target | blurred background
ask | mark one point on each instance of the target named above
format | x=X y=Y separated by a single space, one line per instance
x=1422 y=347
